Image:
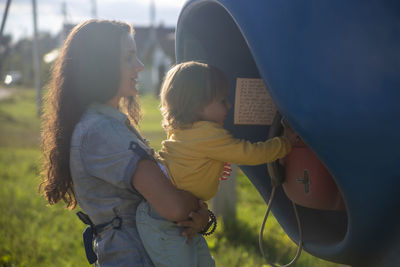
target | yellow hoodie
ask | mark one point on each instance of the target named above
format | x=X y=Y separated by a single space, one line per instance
x=194 y=158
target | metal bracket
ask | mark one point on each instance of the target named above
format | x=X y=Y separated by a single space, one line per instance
x=305 y=180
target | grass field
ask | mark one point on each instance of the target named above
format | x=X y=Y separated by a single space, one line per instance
x=35 y=234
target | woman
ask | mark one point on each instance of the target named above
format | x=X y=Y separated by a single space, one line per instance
x=93 y=156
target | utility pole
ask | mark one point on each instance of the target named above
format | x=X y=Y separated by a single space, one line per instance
x=94 y=9
x=64 y=12
x=3 y=41
x=36 y=60
x=3 y=22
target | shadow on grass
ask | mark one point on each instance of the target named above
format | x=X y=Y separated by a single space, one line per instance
x=239 y=234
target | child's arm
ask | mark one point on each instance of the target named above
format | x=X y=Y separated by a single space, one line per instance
x=288 y=131
x=222 y=146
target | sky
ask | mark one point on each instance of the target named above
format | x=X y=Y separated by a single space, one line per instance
x=50 y=16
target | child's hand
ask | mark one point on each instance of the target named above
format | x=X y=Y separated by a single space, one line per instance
x=198 y=220
x=289 y=133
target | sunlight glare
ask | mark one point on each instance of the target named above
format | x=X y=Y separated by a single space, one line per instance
x=8 y=79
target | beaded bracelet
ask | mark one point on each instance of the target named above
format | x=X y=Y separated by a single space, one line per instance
x=212 y=222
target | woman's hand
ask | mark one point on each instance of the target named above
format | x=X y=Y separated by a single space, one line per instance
x=198 y=220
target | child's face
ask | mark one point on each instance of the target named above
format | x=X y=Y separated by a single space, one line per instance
x=216 y=110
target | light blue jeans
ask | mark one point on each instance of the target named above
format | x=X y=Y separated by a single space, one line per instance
x=164 y=243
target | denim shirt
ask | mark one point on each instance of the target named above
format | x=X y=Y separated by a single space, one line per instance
x=104 y=154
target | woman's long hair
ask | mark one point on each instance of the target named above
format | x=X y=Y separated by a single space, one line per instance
x=86 y=71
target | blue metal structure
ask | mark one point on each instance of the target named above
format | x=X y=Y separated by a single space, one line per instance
x=333 y=70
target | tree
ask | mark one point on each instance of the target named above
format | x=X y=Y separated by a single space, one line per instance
x=19 y=57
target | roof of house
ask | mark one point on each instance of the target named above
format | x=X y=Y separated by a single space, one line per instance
x=146 y=40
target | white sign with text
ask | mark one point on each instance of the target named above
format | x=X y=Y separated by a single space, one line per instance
x=253 y=104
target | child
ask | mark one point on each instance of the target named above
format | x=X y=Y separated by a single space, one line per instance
x=194 y=105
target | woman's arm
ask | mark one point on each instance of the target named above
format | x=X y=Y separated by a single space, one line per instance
x=170 y=202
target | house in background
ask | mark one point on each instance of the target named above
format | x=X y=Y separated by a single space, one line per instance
x=156 y=49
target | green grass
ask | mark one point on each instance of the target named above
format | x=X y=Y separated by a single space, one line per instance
x=35 y=234
x=150 y=126
x=32 y=233
x=19 y=124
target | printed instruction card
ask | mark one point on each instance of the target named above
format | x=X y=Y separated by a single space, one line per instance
x=253 y=104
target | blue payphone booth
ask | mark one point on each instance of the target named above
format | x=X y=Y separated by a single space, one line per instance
x=333 y=70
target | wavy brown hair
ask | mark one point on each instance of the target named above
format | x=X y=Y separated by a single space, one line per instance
x=187 y=88
x=86 y=71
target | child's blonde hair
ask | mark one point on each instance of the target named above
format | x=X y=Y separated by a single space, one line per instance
x=187 y=88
